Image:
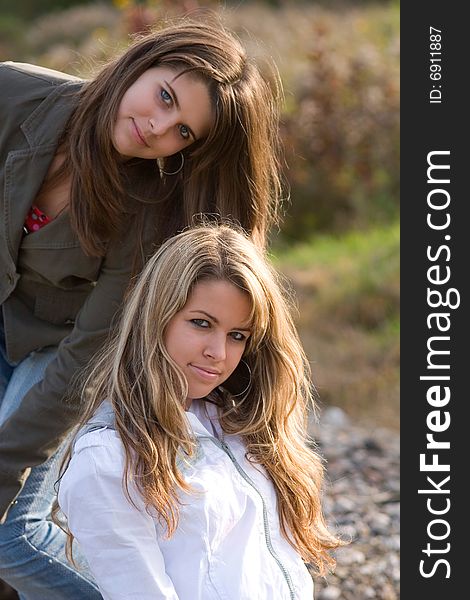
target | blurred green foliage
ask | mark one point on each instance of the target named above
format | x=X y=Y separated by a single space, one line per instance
x=28 y=9
x=360 y=266
x=342 y=125
x=32 y=8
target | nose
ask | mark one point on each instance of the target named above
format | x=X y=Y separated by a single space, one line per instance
x=159 y=126
x=216 y=348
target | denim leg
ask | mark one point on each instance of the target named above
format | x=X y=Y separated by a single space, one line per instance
x=6 y=371
x=32 y=548
x=6 y=368
x=22 y=377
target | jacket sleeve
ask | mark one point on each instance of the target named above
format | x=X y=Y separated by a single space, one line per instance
x=118 y=539
x=43 y=417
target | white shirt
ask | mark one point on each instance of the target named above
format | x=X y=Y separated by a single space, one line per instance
x=227 y=544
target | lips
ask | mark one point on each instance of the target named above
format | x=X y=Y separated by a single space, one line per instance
x=206 y=373
x=138 y=134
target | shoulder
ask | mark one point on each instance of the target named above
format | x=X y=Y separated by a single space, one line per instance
x=103 y=444
x=93 y=481
x=97 y=463
x=24 y=83
x=24 y=73
x=96 y=455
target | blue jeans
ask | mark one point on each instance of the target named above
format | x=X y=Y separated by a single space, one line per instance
x=32 y=548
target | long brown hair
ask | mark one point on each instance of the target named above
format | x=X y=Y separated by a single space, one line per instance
x=234 y=173
x=148 y=391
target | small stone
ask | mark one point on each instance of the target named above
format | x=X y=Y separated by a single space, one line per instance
x=334 y=417
x=348 y=532
x=330 y=593
x=344 y=504
x=349 y=556
x=373 y=446
x=380 y=524
x=392 y=543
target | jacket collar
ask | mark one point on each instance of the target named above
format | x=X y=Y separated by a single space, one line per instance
x=37 y=127
x=27 y=166
x=203 y=419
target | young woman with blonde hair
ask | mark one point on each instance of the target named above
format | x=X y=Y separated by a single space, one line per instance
x=94 y=176
x=191 y=476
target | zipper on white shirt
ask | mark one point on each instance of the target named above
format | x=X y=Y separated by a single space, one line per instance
x=267 y=534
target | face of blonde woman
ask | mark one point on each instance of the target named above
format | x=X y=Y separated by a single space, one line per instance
x=161 y=114
x=208 y=336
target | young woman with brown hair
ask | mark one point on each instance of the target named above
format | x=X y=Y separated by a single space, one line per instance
x=95 y=175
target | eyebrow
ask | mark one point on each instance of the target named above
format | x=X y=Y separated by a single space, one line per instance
x=175 y=98
x=216 y=321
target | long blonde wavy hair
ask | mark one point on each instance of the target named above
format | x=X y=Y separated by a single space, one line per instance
x=148 y=391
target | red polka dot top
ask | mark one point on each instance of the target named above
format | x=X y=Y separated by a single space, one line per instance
x=35 y=219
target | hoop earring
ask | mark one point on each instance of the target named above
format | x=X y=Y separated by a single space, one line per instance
x=162 y=172
x=245 y=390
x=249 y=380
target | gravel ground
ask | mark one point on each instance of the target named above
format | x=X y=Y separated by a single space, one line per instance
x=361 y=502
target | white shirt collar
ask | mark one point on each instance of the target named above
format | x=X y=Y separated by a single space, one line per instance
x=203 y=419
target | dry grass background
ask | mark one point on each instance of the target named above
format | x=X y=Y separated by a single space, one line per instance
x=347 y=288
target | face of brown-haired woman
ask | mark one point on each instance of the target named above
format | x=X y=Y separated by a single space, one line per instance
x=162 y=113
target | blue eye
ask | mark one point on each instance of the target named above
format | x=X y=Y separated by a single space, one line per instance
x=237 y=336
x=184 y=131
x=166 y=97
x=200 y=323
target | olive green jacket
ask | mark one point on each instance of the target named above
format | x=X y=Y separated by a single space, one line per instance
x=51 y=293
